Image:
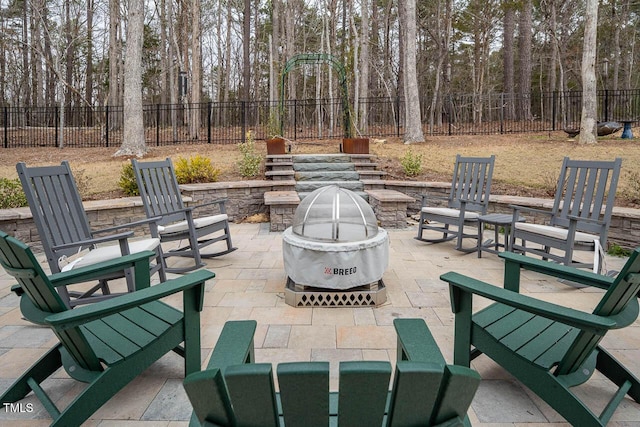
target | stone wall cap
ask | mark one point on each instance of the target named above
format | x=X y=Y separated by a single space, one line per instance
x=236 y=184
x=281 y=198
x=389 y=196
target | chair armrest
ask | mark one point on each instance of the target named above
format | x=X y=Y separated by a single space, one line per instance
x=127 y=225
x=89 y=242
x=514 y=262
x=138 y=260
x=81 y=315
x=234 y=345
x=518 y=208
x=416 y=343
x=591 y=220
x=460 y=284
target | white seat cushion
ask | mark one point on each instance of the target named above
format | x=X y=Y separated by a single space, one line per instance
x=106 y=253
x=555 y=232
x=454 y=213
x=197 y=222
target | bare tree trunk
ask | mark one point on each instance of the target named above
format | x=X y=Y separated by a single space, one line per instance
x=588 y=121
x=364 y=65
x=114 y=61
x=37 y=72
x=509 y=22
x=413 y=123
x=89 y=81
x=196 y=69
x=133 y=143
x=246 y=39
x=524 y=41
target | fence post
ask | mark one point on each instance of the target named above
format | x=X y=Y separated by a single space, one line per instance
x=56 y=124
x=501 y=113
x=6 y=126
x=606 y=105
x=398 y=116
x=450 y=113
x=106 y=121
x=209 y=122
x=295 y=119
x=157 y=125
x=554 y=107
x=243 y=117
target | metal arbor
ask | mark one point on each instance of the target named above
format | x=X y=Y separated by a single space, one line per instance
x=318 y=58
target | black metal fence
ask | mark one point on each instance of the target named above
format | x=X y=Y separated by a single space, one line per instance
x=228 y=122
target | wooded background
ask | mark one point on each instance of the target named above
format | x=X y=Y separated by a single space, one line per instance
x=71 y=53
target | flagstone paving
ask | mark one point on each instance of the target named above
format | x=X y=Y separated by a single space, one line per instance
x=249 y=285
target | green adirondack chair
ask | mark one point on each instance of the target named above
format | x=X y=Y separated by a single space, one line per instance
x=235 y=391
x=106 y=344
x=548 y=347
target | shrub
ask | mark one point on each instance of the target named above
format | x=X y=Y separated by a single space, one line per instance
x=11 y=194
x=83 y=182
x=196 y=169
x=618 y=251
x=249 y=163
x=411 y=163
x=128 y=181
x=632 y=192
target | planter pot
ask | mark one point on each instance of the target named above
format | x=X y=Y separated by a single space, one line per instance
x=355 y=145
x=275 y=146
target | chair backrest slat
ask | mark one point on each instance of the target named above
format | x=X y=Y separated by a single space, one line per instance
x=159 y=189
x=415 y=393
x=304 y=393
x=364 y=387
x=472 y=178
x=457 y=389
x=56 y=207
x=252 y=392
x=586 y=189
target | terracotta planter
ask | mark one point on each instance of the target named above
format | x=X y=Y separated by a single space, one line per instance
x=275 y=146
x=355 y=145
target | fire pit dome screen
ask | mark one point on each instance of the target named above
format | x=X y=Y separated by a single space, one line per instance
x=335 y=242
x=334 y=214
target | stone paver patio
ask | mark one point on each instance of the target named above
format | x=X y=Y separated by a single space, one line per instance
x=249 y=285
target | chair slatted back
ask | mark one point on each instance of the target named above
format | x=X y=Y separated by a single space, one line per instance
x=620 y=301
x=423 y=394
x=56 y=207
x=472 y=178
x=586 y=189
x=18 y=260
x=159 y=189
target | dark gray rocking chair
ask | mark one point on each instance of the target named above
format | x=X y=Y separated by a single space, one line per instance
x=468 y=199
x=161 y=198
x=580 y=217
x=65 y=232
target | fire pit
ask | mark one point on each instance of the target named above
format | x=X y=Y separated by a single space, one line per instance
x=334 y=253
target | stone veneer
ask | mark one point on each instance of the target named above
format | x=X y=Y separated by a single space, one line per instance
x=247 y=198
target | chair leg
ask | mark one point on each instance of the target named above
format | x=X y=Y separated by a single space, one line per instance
x=618 y=374
x=41 y=370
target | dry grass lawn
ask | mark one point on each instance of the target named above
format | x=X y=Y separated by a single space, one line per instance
x=526 y=164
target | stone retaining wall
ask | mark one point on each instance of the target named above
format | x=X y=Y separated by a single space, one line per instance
x=247 y=198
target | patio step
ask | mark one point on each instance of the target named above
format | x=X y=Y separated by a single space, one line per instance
x=319 y=166
x=309 y=186
x=327 y=175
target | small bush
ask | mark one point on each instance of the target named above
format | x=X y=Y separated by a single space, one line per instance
x=128 y=181
x=11 y=194
x=83 y=182
x=249 y=163
x=618 y=251
x=411 y=163
x=195 y=170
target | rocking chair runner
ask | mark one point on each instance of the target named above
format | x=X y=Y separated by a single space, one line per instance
x=106 y=344
x=580 y=217
x=64 y=231
x=161 y=197
x=468 y=199
x=549 y=348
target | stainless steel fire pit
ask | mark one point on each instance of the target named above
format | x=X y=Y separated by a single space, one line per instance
x=334 y=253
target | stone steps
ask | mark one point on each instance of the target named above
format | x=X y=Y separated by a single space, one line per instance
x=309 y=186
x=320 y=175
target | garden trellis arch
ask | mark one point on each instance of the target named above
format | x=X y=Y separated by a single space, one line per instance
x=319 y=58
